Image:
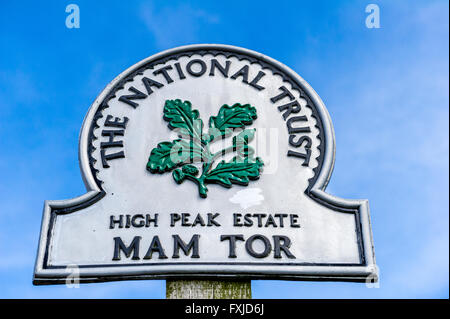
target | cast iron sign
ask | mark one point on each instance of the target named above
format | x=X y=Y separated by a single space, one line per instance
x=206 y=161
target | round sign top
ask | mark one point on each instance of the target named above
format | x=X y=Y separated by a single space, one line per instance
x=127 y=120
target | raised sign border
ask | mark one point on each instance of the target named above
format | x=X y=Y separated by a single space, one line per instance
x=47 y=274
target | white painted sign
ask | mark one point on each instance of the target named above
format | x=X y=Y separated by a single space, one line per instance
x=206 y=161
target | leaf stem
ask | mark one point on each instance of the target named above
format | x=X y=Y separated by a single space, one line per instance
x=202 y=189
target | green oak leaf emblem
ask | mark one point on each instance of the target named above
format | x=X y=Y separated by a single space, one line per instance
x=193 y=146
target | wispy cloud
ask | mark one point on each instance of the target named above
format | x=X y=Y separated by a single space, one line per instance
x=177 y=24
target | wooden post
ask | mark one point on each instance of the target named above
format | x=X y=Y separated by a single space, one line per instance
x=208 y=289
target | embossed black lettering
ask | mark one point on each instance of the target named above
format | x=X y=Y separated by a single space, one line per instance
x=282 y=244
x=285 y=93
x=196 y=73
x=164 y=72
x=232 y=243
x=255 y=81
x=186 y=248
x=304 y=156
x=148 y=83
x=155 y=246
x=138 y=95
x=291 y=107
x=242 y=72
x=252 y=252
x=133 y=248
x=224 y=70
x=292 y=130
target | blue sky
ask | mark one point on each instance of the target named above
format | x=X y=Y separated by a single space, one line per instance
x=386 y=90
